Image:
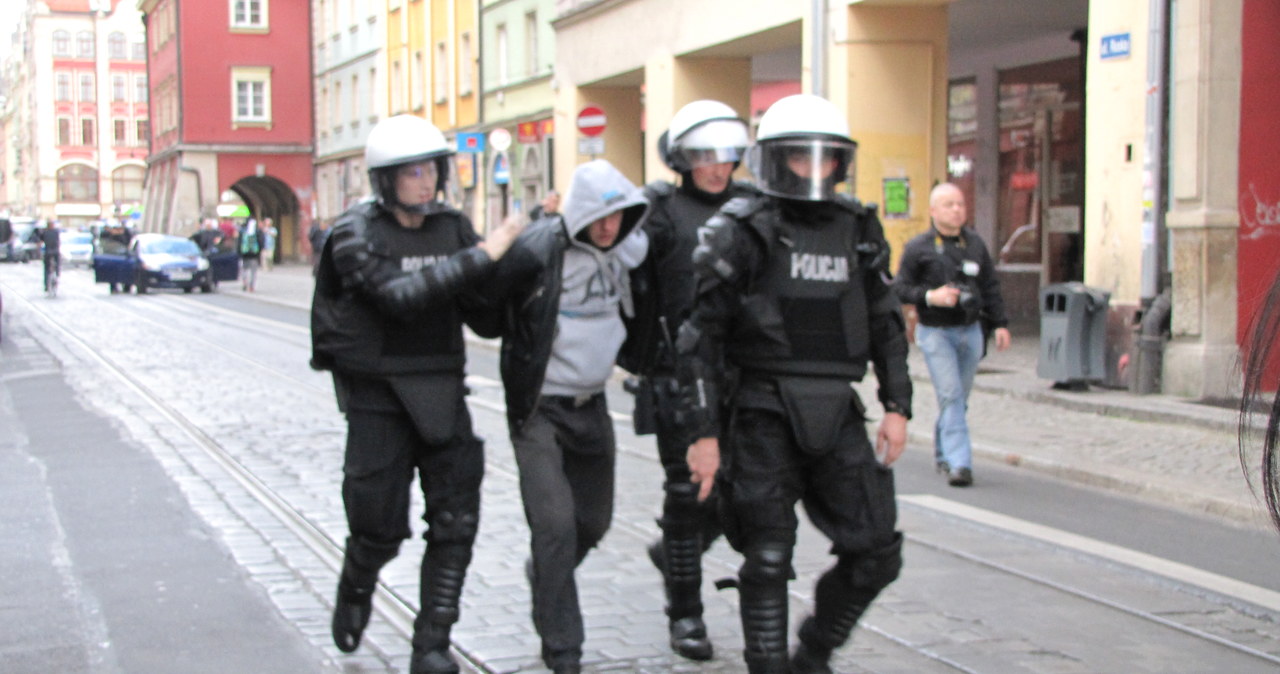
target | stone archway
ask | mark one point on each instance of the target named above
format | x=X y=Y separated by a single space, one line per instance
x=269 y=197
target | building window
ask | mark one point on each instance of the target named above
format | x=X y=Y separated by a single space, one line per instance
x=531 y=43
x=126 y=184
x=116 y=46
x=503 y=54
x=442 y=72
x=144 y=131
x=251 y=95
x=417 y=80
x=64 y=131
x=87 y=128
x=397 y=88
x=140 y=90
x=356 y=109
x=336 y=116
x=249 y=13
x=86 y=88
x=322 y=111
x=62 y=90
x=465 y=63
x=77 y=182
x=373 y=89
x=117 y=88
x=84 y=44
x=61 y=43
x=120 y=130
x=138 y=51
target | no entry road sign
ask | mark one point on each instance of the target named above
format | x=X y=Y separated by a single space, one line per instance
x=591 y=121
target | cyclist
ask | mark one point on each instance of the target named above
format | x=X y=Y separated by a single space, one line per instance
x=49 y=238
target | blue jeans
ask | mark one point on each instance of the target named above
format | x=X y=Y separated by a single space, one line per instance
x=952 y=355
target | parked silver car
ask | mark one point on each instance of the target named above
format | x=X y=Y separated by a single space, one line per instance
x=76 y=248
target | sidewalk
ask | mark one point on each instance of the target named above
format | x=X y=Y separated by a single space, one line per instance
x=1158 y=447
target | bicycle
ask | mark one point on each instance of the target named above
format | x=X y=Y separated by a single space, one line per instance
x=51 y=273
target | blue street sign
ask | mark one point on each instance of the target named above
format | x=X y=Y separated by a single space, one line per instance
x=501 y=170
x=471 y=142
x=1115 y=46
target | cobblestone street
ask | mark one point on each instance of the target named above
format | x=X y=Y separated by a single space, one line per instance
x=239 y=378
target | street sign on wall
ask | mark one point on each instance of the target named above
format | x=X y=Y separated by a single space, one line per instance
x=501 y=170
x=500 y=139
x=470 y=142
x=591 y=121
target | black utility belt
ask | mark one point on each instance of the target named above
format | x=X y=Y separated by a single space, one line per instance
x=571 y=401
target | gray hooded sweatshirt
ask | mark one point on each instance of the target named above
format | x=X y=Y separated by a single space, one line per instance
x=595 y=289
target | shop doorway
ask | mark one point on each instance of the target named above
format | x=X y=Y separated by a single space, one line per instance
x=1039 y=237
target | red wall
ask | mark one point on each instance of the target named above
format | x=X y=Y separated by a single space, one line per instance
x=209 y=51
x=1259 y=243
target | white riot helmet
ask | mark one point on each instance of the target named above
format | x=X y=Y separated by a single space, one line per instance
x=803 y=149
x=400 y=140
x=701 y=133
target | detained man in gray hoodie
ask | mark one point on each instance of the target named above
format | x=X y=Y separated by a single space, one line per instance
x=565 y=287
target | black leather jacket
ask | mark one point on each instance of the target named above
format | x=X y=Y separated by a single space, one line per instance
x=527 y=280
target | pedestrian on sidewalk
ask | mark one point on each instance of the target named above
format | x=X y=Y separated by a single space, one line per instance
x=793 y=297
x=251 y=245
x=392 y=289
x=565 y=287
x=949 y=276
x=269 y=235
x=1261 y=366
x=704 y=145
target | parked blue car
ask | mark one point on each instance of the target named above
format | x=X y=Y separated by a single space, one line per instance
x=163 y=261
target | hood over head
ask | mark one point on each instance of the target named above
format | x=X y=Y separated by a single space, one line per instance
x=598 y=189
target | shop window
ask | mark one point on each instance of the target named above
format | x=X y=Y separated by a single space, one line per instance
x=77 y=183
x=126 y=184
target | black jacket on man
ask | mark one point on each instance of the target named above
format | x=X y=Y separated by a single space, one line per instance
x=529 y=281
x=931 y=260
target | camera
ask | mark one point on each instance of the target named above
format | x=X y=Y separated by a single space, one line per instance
x=966 y=300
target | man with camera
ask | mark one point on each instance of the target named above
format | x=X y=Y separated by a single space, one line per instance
x=949 y=276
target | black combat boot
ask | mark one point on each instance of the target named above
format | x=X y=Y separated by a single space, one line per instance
x=444 y=568
x=679 y=557
x=359 y=578
x=351 y=614
x=682 y=580
x=764 y=626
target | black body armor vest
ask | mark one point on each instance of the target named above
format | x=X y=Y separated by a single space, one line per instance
x=805 y=312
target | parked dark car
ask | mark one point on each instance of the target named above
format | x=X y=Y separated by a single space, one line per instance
x=18 y=248
x=162 y=261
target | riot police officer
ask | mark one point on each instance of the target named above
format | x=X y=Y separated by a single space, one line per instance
x=704 y=144
x=394 y=283
x=793 y=295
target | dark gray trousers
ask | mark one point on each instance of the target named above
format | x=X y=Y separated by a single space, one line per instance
x=565 y=453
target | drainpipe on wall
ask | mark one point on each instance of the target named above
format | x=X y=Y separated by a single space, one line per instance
x=818 y=48
x=1156 y=304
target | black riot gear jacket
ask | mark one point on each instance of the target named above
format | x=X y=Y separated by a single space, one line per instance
x=390 y=300
x=663 y=286
x=799 y=289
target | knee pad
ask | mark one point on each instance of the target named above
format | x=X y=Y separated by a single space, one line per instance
x=766 y=562
x=452 y=526
x=874 y=570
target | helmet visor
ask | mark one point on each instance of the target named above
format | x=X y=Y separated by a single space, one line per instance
x=807 y=169
x=719 y=141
